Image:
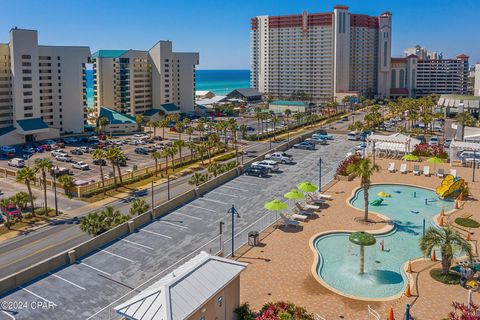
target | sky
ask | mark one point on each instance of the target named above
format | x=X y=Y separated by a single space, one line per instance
x=220 y=29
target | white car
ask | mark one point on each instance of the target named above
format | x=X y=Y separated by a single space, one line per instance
x=59 y=153
x=81 y=165
x=317 y=140
x=280 y=157
x=7 y=149
x=16 y=162
x=433 y=141
x=140 y=136
x=64 y=158
x=268 y=164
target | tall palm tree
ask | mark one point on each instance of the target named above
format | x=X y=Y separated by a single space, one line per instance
x=189 y=131
x=243 y=130
x=43 y=165
x=91 y=224
x=67 y=183
x=179 y=126
x=120 y=158
x=100 y=155
x=156 y=156
x=258 y=116
x=102 y=121
x=449 y=241
x=27 y=175
x=149 y=124
x=287 y=113
x=465 y=119
x=112 y=155
x=138 y=207
x=200 y=127
x=155 y=125
x=365 y=170
x=163 y=124
x=172 y=151
x=165 y=153
x=179 y=144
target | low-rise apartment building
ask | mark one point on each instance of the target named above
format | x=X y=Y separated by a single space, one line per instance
x=42 y=89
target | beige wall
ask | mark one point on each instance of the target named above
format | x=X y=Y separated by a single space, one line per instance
x=213 y=311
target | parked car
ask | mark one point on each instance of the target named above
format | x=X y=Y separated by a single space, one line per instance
x=80 y=165
x=7 y=149
x=447 y=143
x=12 y=211
x=316 y=140
x=469 y=156
x=77 y=152
x=322 y=135
x=46 y=147
x=140 y=136
x=16 y=162
x=433 y=141
x=9 y=155
x=28 y=150
x=141 y=151
x=280 y=157
x=354 y=136
x=65 y=158
x=39 y=149
x=60 y=144
x=271 y=165
x=305 y=145
x=256 y=171
x=50 y=142
x=59 y=153
x=60 y=171
x=70 y=140
x=100 y=162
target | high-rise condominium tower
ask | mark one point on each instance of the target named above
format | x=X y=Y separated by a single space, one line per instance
x=322 y=54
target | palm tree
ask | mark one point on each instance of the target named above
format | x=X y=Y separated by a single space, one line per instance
x=165 y=153
x=200 y=127
x=27 y=175
x=189 y=131
x=163 y=124
x=112 y=156
x=274 y=123
x=172 y=151
x=120 y=158
x=214 y=168
x=110 y=218
x=67 y=183
x=364 y=169
x=20 y=199
x=258 y=116
x=196 y=179
x=102 y=121
x=156 y=156
x=91 y=224
x=179 y=144
x=155 y=125
x=43 y=165
x=179 y=126
x=139 y=206
x=465 y=119
x=449 y=241
x=243 y=130
x=139 y=119
x=287 y=113
x=100 y=155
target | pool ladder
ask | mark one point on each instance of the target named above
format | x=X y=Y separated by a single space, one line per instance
x=373 y=313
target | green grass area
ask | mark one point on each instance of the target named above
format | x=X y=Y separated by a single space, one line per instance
x=451 y=278
x=467 y=222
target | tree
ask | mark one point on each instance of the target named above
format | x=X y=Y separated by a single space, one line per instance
x=150 y=125
x=189 y=131
x=179 y=126
x=197 y=179
x=91 y=224
x=27 y=175
x=100 y=155
x=449 y=241
x=156 y=156
x=44 y=165
x=179 y=144
x=200 y=127
x=139 y=119
x=258 y=116
x=288 y=113
x=214 y=168
x=462 y=311
x=172 y=151
x=67 y=183
x=20 y=199
x=465 y=119
x=243 y=130
x=110 y=218
x=365 y=170
x=112 y=156
x=139 y=206
x=165 y=154
x=102 y=121
x=163 y=124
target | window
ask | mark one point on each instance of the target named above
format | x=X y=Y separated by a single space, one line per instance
x=385 y=53
x=27 y=100
x=26 y=71
x=26 y=64
x=27 y=79
x=26 y=108
x=27 y=85
x=402 y=79
x=27 y=93
x=28 y=115
x=26 y=56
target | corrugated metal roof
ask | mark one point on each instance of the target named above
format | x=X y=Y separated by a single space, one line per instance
x=115 y=117
x=183 y=291
x=170 y=107
x=32 y=124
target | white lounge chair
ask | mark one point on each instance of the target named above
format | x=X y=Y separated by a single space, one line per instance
x=426 y=171
x=416 y=170
x=288 y=222
x=453 y=172
x=441 y=172
x=316 y=200
x=391 y=166
x=302 y=210
x=323 y=196
x=307 y=206
x=300 y=217
x=403 y=168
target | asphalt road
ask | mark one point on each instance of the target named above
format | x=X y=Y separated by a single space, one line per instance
x=82 y=289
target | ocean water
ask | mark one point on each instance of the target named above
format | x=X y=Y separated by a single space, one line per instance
x=219 y=82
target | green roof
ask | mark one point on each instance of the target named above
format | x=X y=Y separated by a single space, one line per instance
x=289 y=103
x=115 y=117
x=6 y=130
x=170 y=107
x=108 y=53
x=32 y=124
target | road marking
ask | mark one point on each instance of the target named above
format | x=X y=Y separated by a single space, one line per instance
x=239 y=189
x=198 y=207
x=252 y=184
x=186 y=215
x=36 y=295
x=217 y=201
x=68 y=281
x=174 y=224
x=8 y=314
x=137 y=244
x=158 y=234
x=223 y=194
x=116 y=255
x=101 y=271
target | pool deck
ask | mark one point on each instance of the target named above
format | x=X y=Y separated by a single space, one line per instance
x=280 y=268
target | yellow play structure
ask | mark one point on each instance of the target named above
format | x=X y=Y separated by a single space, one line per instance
x=452 y=187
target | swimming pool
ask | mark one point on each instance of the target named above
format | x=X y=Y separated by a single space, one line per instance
x=384 y=276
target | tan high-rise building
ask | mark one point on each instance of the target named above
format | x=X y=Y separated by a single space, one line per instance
x=321 y=54
x=135 y=81
x=42 y=89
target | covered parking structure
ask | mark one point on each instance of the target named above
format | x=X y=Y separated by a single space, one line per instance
x=392 y=146
x=472 y=160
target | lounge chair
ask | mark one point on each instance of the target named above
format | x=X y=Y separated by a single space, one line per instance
x=416 y=170
x=323 y=196
x=288 y=222
x=441 y=172
x=302 y=210
x=391 y=166
x=316 y=200
x=307 y=206
x=403 y=168
x=426 y=171
x=297 y=216
x=453 y=172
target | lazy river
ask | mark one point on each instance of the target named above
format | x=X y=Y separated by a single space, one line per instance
x=384 y=276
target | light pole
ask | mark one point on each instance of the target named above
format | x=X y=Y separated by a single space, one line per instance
x=474 y=165
x=153 y=203
x=320 y=175
x=221 y=232
x=168 y=186
x=54 y=175
x=234 y=212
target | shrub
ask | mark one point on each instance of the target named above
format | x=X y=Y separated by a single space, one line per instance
x=451 y=278
x=342 y=169
x=244 y=312
x=462 y=311
x=283 y=310
x=467 y=222
x=424 y=150
x=224 y=157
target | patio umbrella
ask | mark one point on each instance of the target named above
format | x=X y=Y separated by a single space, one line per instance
x=410 y=157
x=307 y=186
x=434 y=160
x=275 y=205
x=294 y=194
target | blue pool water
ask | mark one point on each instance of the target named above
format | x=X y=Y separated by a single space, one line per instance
x=384 y=276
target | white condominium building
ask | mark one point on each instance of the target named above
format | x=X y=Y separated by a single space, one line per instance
x=42 y=89
x=135 y=81
x=476 y=81
x=322 y=54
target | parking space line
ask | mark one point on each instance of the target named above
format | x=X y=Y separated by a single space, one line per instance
x=36 y=295
x=198 y=207
x=101 y=271
x=8 y=314
x=239 y=189
x=174 y=224
x=223 y=194
x=67 y=281
x=116 y=255
x=137 y=244
x=158 y=234
x=186 y=215
x=240 y=181
x=221 y=202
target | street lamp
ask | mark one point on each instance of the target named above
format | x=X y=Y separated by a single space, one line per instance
x=320 y=175
x=153 y=203
x=474 y=165
x=168 y=186
x=53 y=173
x=234 y=213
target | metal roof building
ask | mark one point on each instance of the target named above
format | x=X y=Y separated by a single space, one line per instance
x=185 y=290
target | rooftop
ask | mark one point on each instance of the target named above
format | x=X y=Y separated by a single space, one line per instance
x=32 y=124
x=115 y=117
x=289 y=103
x=247 y=92
x=108 y=53
x=170 y=107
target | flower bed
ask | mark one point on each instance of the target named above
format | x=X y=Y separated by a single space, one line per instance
x=425 y=150
x=342 y=169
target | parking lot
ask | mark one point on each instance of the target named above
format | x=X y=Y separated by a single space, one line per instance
x=82 y=289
